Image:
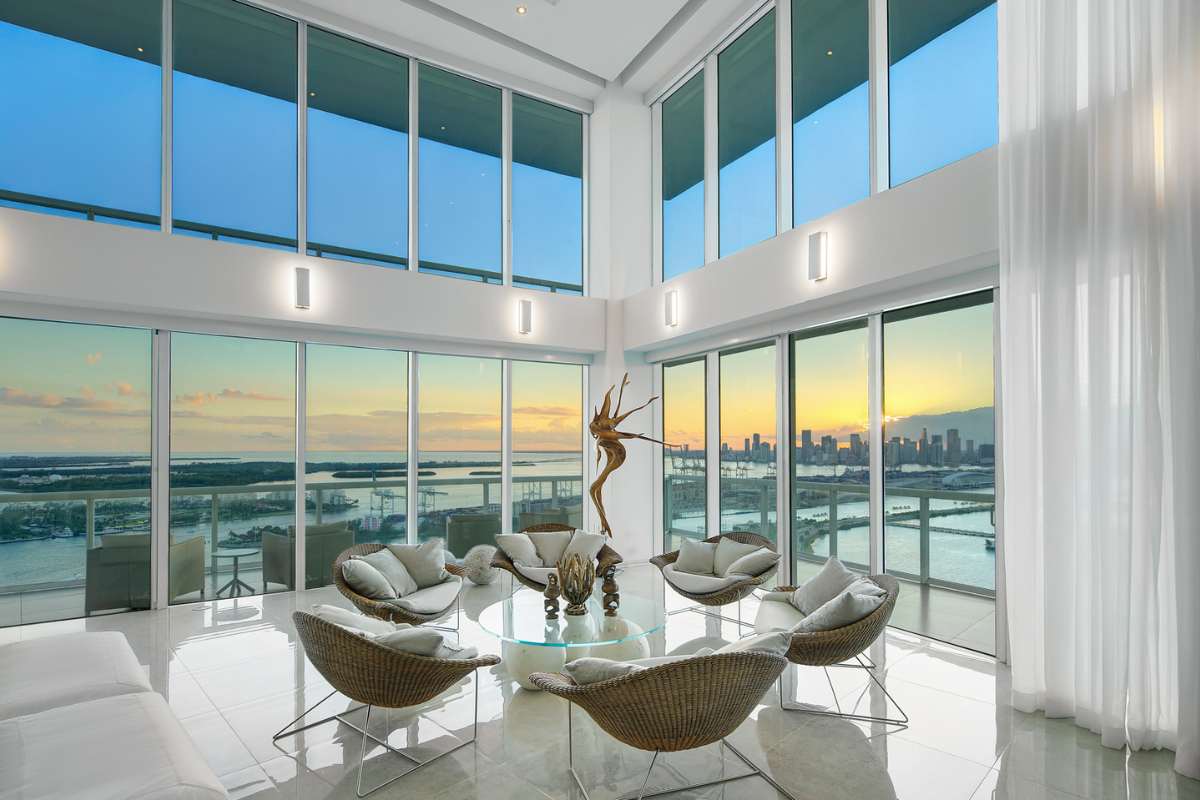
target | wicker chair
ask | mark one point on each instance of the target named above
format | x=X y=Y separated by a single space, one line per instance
x=727 y=594
x=374 y=675
x=382 y=610
x=832 y=648
x=681 y=705
x=606 y=559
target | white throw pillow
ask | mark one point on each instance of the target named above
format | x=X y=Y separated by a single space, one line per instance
x=353 y=620
x=827 y=584
x=772 y=642
x=519 y=547
x=777 y=597
x=729 y=551
x=366 y=580
x=593 y=670
x=425 y=562
x=694 y=583
x=585 y=544
x=424 y=642
x=392 y=569
x=867 y=586
x=697 y=558
x=550 y=545
x=845 y=609
x=755 y=563
x=658 y=661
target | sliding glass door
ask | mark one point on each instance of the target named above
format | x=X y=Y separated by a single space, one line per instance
x=685 y=472
x=748 y=467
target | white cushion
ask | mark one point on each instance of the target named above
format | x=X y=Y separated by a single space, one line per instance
x=353 y=620
x=54 y=671
x=392 y=569
x=425 y=562
x=867 y=586
x=593 y=670
x=777 y=597
x=550 y=545
x=771 y=642
x=409 y=639
x=585 y=544
x=754 y=563
x=845 y=609
x=519 y=547
x=366 y=580
x=698 y=584
x=539 y=574
x=658 y=661
x=115 y=748
x=775 y=616
x=431 y=599
x=455 y=651
x=697 y=558
x=827 y=584
x=729 y=551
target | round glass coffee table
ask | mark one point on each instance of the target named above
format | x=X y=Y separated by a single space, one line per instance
x=531 y=643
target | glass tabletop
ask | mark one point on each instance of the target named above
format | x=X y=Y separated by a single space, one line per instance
x=521 y=618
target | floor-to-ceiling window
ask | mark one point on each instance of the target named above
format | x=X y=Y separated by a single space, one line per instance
x=831 y=119
x=82 y=103
x=547 y=196
x=547 y=437
x=746 y=137
x=830 y=455
x=942 y=83
x=234 y=129
x=939 y=457
x=682 y=158
x=357 y=168
x=459 y=443
x=748 y=466
x=356 y=452
x=685 y=490
x=459 y=175
x=233 y=466
x=74 y=470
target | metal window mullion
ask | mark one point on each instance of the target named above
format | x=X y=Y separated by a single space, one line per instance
x=875 y=442
x=998 y=470
x=506 y=458
x=712 y=196
x=412 y=524
x=783 y=116
x=167 y=114
x=587 y=513
x=712 y=442
x=414 y=150
x=656 y=166
x=301 y=143
x=783 y=450
x=301 y=510
x=585 y=205
x=160 y=466
x=506 y=141
x=877 y=91
x=659 y=527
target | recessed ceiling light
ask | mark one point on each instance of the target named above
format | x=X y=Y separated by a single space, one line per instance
x=141 y=49
x=443 y=127
x=312 y=94
x=521 y=10
x=828 y=52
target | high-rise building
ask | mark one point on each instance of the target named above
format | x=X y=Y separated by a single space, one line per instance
x=953 y=447
x=806 y=446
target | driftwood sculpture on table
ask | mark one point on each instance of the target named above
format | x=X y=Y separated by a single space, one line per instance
x=603 y=428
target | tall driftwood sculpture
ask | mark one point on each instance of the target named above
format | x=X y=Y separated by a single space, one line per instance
x=603 y=428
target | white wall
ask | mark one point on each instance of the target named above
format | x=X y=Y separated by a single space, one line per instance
x=189 y=283
x=936 y=230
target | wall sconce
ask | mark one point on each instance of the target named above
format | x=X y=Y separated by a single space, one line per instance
x=818 y=256
x=303 y=299
x=524 y=317
x=671 y=308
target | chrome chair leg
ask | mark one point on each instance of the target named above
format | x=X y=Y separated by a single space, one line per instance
x=901 y=722
x=283 y=732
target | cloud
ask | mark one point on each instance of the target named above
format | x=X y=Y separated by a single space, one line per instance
x=547 y=411
x=123 y=388
x=86 y=404
x=93 y=358
x=88 y=393
x=206 y=398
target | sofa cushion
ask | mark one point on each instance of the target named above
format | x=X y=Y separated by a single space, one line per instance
x=425 y=562
x=753 y=563
x=539 y=574
x=114 y=748
x=412 y=639
x=776 y=616
x=589 y=670
x=519 y=548
x=698 y=584
x=431 y=599
x=352 y=620
x=585 y=544
x=847 y=608
x=729 y=551
x=363 y=578
x=54 y=671
x=392 y=569
x=827 y=584
x=698 y=558
x=550 y=545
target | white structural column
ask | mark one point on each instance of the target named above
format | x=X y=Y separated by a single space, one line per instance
x=712 y=442
x=411 y=522
x=301 y=510
x=875 y=441
x=414 y=169
x=877 y=90
x=168 y=67
x=506 y=459
x=783 y=116
x=712 y=242
x=301 y=144
x=160 y=470
x=506 y=141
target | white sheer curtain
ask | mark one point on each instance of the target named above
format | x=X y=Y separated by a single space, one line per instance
x=1100 y=355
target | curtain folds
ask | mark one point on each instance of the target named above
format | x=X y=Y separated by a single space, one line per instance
x=1100 y=364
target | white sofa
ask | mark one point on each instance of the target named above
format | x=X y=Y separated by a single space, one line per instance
x=78 y=719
